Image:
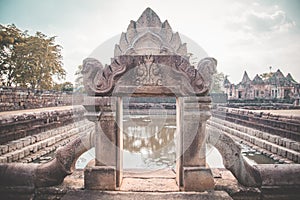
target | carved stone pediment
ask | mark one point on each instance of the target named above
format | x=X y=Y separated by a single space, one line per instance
x=149 y=58
x=149 y=36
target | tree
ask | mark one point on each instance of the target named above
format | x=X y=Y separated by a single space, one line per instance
x=10 y=37
x=79 y=80
x=30 y=61
x=218 y=80
x=38 y=60
x=65 y=87
x=266 y=76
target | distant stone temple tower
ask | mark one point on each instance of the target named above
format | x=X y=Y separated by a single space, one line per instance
x=274 y=86
x=149 y=61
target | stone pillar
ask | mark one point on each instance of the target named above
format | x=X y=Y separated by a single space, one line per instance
x=195 y=174
x=103 y=176
x=119 y=148
x=179 y=125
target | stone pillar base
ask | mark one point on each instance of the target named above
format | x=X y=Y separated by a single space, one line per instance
x=100 y=178
x=197 y=179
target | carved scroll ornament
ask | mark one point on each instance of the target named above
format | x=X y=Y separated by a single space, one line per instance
x=100 y=81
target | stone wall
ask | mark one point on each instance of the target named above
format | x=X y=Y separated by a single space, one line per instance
x=261 y=104
x=16 y=125
x=27 y=136
x=279 y=125
x=20 y=98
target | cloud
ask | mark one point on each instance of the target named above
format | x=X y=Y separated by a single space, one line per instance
x=261 y=21
x=266 y=22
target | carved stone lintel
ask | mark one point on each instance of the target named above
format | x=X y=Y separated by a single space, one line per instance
x=101 y=81
x=148 y=73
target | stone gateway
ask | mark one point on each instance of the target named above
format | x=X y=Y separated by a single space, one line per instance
x=150 y=61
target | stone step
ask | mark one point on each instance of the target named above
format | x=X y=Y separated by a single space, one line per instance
x=45 y=143
x=19 y=124
x=277 y=125
x=281 y=141
x=47 y=150
x=275 y=157
x=243 y=133
x=26 y=141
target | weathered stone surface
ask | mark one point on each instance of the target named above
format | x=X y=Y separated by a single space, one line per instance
x=197 y=179
x=51 y=140
x=170 y=71
x=195 y=113
x=149 y=36
x=225 y=181
x=22 y=98
x=257 y=175
x=48 y=174
x=280 y=174
x=153 y=56
x=245 y=134
x=20 y=124
x=106 y=140
x=100 y=178
x=149 y=184
x=273 y=126
x=93 y=195
x=233 y=159
x=150 y=60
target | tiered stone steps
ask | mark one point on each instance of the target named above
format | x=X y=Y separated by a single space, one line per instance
x=27 y=135
x=30 y=148
x=279 y=148
x=18 y=124
x=283 y=125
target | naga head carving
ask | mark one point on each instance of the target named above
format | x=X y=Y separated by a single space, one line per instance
x=207 y=67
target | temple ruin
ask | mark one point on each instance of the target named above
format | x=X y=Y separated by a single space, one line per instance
x=150 y=60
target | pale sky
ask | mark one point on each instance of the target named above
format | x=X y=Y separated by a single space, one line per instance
x=240 y=34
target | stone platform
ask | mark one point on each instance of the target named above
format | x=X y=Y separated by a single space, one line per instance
x=162 y=180
x=226 y=187
x=91 y=195
x=157 y=184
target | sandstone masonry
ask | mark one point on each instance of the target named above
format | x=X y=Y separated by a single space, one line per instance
x=29 y=135
x=21 y=98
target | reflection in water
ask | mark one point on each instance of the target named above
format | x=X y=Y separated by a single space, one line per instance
x=149 y=141
x=85 y=158
x=255 y=157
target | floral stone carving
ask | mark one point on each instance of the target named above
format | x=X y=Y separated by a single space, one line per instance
x=148 y=48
